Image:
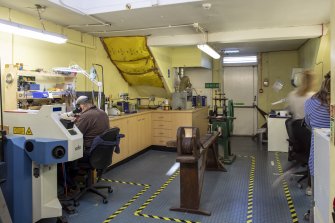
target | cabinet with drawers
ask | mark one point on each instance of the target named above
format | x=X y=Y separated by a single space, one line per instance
x=154 y=128
x=166 y=123
x=161 y=128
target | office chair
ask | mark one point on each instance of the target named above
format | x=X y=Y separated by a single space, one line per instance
x=99 y=158
x=299 y=144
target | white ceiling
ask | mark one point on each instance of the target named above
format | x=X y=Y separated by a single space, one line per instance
x=224 y=15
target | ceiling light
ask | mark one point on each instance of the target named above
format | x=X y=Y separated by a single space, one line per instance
x=242 y=59
x=209 y=50
x=231 y=51
x=27 y=31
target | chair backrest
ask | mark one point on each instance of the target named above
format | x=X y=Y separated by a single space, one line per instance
x=101 y=156
x=288 y=124
x=300 y=137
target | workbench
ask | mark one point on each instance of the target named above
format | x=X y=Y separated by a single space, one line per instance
x=154 y=127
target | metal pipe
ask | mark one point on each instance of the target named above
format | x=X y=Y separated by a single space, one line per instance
x=142 y=29
x=76 y=43
x=102 y=75
x=88 y=25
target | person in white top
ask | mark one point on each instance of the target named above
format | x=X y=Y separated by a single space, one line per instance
x=297 y=98
x=296 y=102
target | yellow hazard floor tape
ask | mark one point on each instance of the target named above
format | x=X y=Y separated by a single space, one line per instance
x=290 y=204
x=126 y=205
x=138 y=212
x=250 y=188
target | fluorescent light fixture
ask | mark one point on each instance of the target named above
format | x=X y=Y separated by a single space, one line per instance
x=27 y=31
x=241 y=59
x=90 y=7
x=209 y=50
x=232 y=51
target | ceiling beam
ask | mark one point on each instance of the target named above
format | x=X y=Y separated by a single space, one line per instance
x=252 y=35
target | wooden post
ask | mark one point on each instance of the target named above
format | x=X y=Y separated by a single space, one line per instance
x=192 y=156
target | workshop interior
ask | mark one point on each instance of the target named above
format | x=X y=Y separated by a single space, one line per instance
x=147 y=111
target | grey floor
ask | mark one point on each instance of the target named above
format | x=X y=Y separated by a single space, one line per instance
x=225 y=194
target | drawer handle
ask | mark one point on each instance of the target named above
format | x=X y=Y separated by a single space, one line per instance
x=161 y=133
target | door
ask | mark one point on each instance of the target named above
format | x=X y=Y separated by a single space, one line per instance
x=240 y=84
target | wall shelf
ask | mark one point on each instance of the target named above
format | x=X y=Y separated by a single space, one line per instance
x=14 y=81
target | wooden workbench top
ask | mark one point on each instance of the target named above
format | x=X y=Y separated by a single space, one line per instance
x=141 y=112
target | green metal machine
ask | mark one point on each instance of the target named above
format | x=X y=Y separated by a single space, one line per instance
x=222 y=119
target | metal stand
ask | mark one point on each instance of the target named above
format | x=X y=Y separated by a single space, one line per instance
x=222 y=125
x=222 y=121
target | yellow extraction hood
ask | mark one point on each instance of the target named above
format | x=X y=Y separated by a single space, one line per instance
x=134 y=60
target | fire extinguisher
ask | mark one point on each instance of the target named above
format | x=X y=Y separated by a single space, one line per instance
x=333 y=210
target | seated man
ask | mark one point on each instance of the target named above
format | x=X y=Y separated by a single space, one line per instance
x=91 y=122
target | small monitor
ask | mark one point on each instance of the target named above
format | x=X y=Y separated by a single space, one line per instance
x=57 y=109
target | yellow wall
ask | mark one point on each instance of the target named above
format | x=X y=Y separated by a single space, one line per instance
x=82 y=49
x=315 y=55
x=308 y=52
x=163 y=57
x=322 y=64
x=190 y=56
x=275 y=66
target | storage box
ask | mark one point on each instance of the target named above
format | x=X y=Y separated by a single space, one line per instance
x=34 y=87
x=40 y=94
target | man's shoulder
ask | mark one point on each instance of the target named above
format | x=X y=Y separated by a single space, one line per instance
x=98 y=112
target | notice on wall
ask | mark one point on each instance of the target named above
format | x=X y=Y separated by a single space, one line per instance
x=212 y=85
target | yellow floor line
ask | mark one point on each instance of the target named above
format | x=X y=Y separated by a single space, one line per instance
x=289 y=200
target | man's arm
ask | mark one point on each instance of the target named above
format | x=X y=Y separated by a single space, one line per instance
x=82 y=123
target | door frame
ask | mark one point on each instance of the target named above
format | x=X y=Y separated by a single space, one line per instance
x=255 y=69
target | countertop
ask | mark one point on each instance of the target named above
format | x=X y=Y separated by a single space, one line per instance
x=141 y=112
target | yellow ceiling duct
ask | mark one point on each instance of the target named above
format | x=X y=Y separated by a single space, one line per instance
x=134 y=60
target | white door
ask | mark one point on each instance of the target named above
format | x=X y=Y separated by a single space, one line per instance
x=240 y=84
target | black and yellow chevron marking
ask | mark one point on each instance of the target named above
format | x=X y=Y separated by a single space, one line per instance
x=126 y=205
x=251 y=190
x=294 y=215
x=138 y=212
x=124 y=182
